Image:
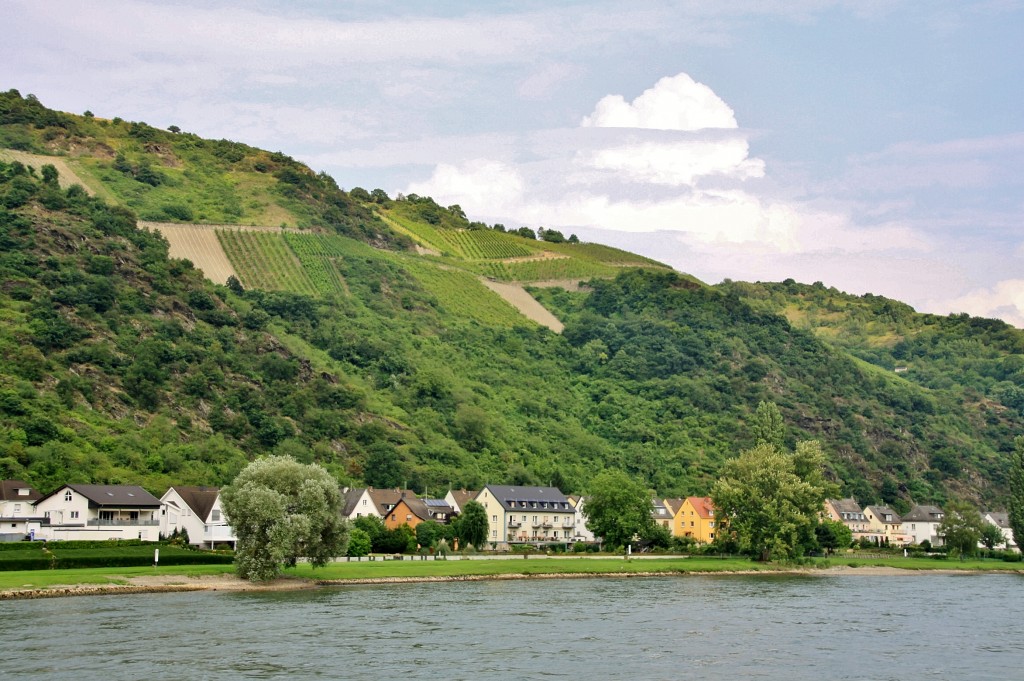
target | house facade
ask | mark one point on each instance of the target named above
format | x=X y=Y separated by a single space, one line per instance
x=196 y=510
x=922 y=523
x=18 y=517
x=412 y=511
x=527 y=515
x=885 y=524
x=1001 y=519
x=98 y=512
x=458 y=497
x=581 y=532
x=849 y=513
x=696 y=519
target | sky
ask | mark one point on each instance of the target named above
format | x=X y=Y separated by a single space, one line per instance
x=873 y=145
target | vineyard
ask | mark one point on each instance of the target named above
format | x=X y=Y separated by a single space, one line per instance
x=542 y=269
x=318 y=254
x=475 y=244
x=265 y=261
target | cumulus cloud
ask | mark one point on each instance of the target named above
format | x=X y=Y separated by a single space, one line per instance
x=677 y=163
x=674 y=103
x=1005 y=301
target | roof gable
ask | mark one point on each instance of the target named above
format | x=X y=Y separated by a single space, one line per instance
x=17 y=490
x=200 y=499
x=121 y=496
x=702 y=506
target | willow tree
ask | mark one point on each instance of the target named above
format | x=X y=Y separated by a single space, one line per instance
x=771 y=499
x=282 y=510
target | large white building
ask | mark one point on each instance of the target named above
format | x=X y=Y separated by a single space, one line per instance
x=18 y=517
x=84 y=512
x=528 y=515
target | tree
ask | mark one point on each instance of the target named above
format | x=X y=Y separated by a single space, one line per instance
x=359 y=543
x=961 y=528
x=280 y=510
x=472 y=524
x=1016 y=484
x=991 y=536
x=618 y=508
x=769 y=426
x=771 y=499
x=832 y=535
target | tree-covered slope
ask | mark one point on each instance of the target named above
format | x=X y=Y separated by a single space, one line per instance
x=119 y=364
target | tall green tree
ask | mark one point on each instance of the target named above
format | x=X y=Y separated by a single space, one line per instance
x=618 y=508
x=472 y=524
x=281 y=510
x=769 y=427
x=961 y=528
x=1016 y=484
x=771 y=499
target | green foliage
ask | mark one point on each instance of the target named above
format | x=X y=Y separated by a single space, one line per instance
x=88 y=554
x=282 y=510
x=618 y=508
x=771 y=499
x=832 y=535
x=471 y=525
x=359 y=543
x=961 y=528
x=1016 y=492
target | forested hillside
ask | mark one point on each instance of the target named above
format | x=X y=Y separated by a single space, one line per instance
x=342 y=345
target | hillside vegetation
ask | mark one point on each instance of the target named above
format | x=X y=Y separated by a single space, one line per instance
x=339 y=344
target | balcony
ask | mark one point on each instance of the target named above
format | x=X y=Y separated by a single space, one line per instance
x=514 y=523
x=218 y=533
x=122 y=522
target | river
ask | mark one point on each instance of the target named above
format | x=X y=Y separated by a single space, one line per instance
x=695 y=627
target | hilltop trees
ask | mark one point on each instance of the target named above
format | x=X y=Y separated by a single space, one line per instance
x=282 y=510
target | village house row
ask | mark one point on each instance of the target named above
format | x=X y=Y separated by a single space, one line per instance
x=516 y=515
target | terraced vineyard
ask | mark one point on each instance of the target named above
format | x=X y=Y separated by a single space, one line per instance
x=318 y=253
x=264 y=260
x=542 y=269
x=471 y=244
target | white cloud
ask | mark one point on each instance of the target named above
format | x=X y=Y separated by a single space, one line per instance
x=1005 y=301
x=674 y=103
x=677 y=163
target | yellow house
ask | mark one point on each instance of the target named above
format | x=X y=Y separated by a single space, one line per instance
x=696 y=518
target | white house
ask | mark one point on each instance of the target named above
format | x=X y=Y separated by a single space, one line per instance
x=922 y=522
x=196 y=510
x=581 y=531
x=79 y=512
x=1002 y=520
x=527 y=514
x=18 y=517
x=456 y=498
x=367 y=501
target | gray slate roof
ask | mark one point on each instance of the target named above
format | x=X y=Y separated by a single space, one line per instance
x=924 y=514
x=530 y=498
x=882 y=511
x=118 y=496
x=846 y=506
x=1001 y=518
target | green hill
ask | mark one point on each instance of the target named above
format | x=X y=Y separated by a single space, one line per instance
x=362 y=337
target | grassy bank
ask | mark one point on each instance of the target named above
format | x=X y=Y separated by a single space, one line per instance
x=455 y=568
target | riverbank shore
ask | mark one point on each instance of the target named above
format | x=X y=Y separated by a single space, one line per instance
x=343 y=574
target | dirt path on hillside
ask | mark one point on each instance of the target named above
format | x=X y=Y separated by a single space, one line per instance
x=525 y=303
x=65 y=175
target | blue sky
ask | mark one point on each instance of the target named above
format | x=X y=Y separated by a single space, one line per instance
x=875 y=146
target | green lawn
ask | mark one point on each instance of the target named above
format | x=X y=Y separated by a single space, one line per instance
x=44 y=579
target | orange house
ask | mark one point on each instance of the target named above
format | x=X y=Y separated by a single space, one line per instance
x=412 y=511
x=696 y=518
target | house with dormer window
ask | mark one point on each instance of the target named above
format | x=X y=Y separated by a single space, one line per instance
x=98 y=512
x=18 y=517
x=527 y=515
x=196 y=510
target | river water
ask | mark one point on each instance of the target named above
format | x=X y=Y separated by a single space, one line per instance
x=693 y=627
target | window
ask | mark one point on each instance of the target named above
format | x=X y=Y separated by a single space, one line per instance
x=215 y=516
x=711 y=524
x=408 y=517
x=392 y=516
x=17 y=508
x=134 y=515
x=691 y=523
x=494 y=534
x=67 y=496
x=534 y=519
x=74 y=515
x=524 y=518
x=494 y=518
